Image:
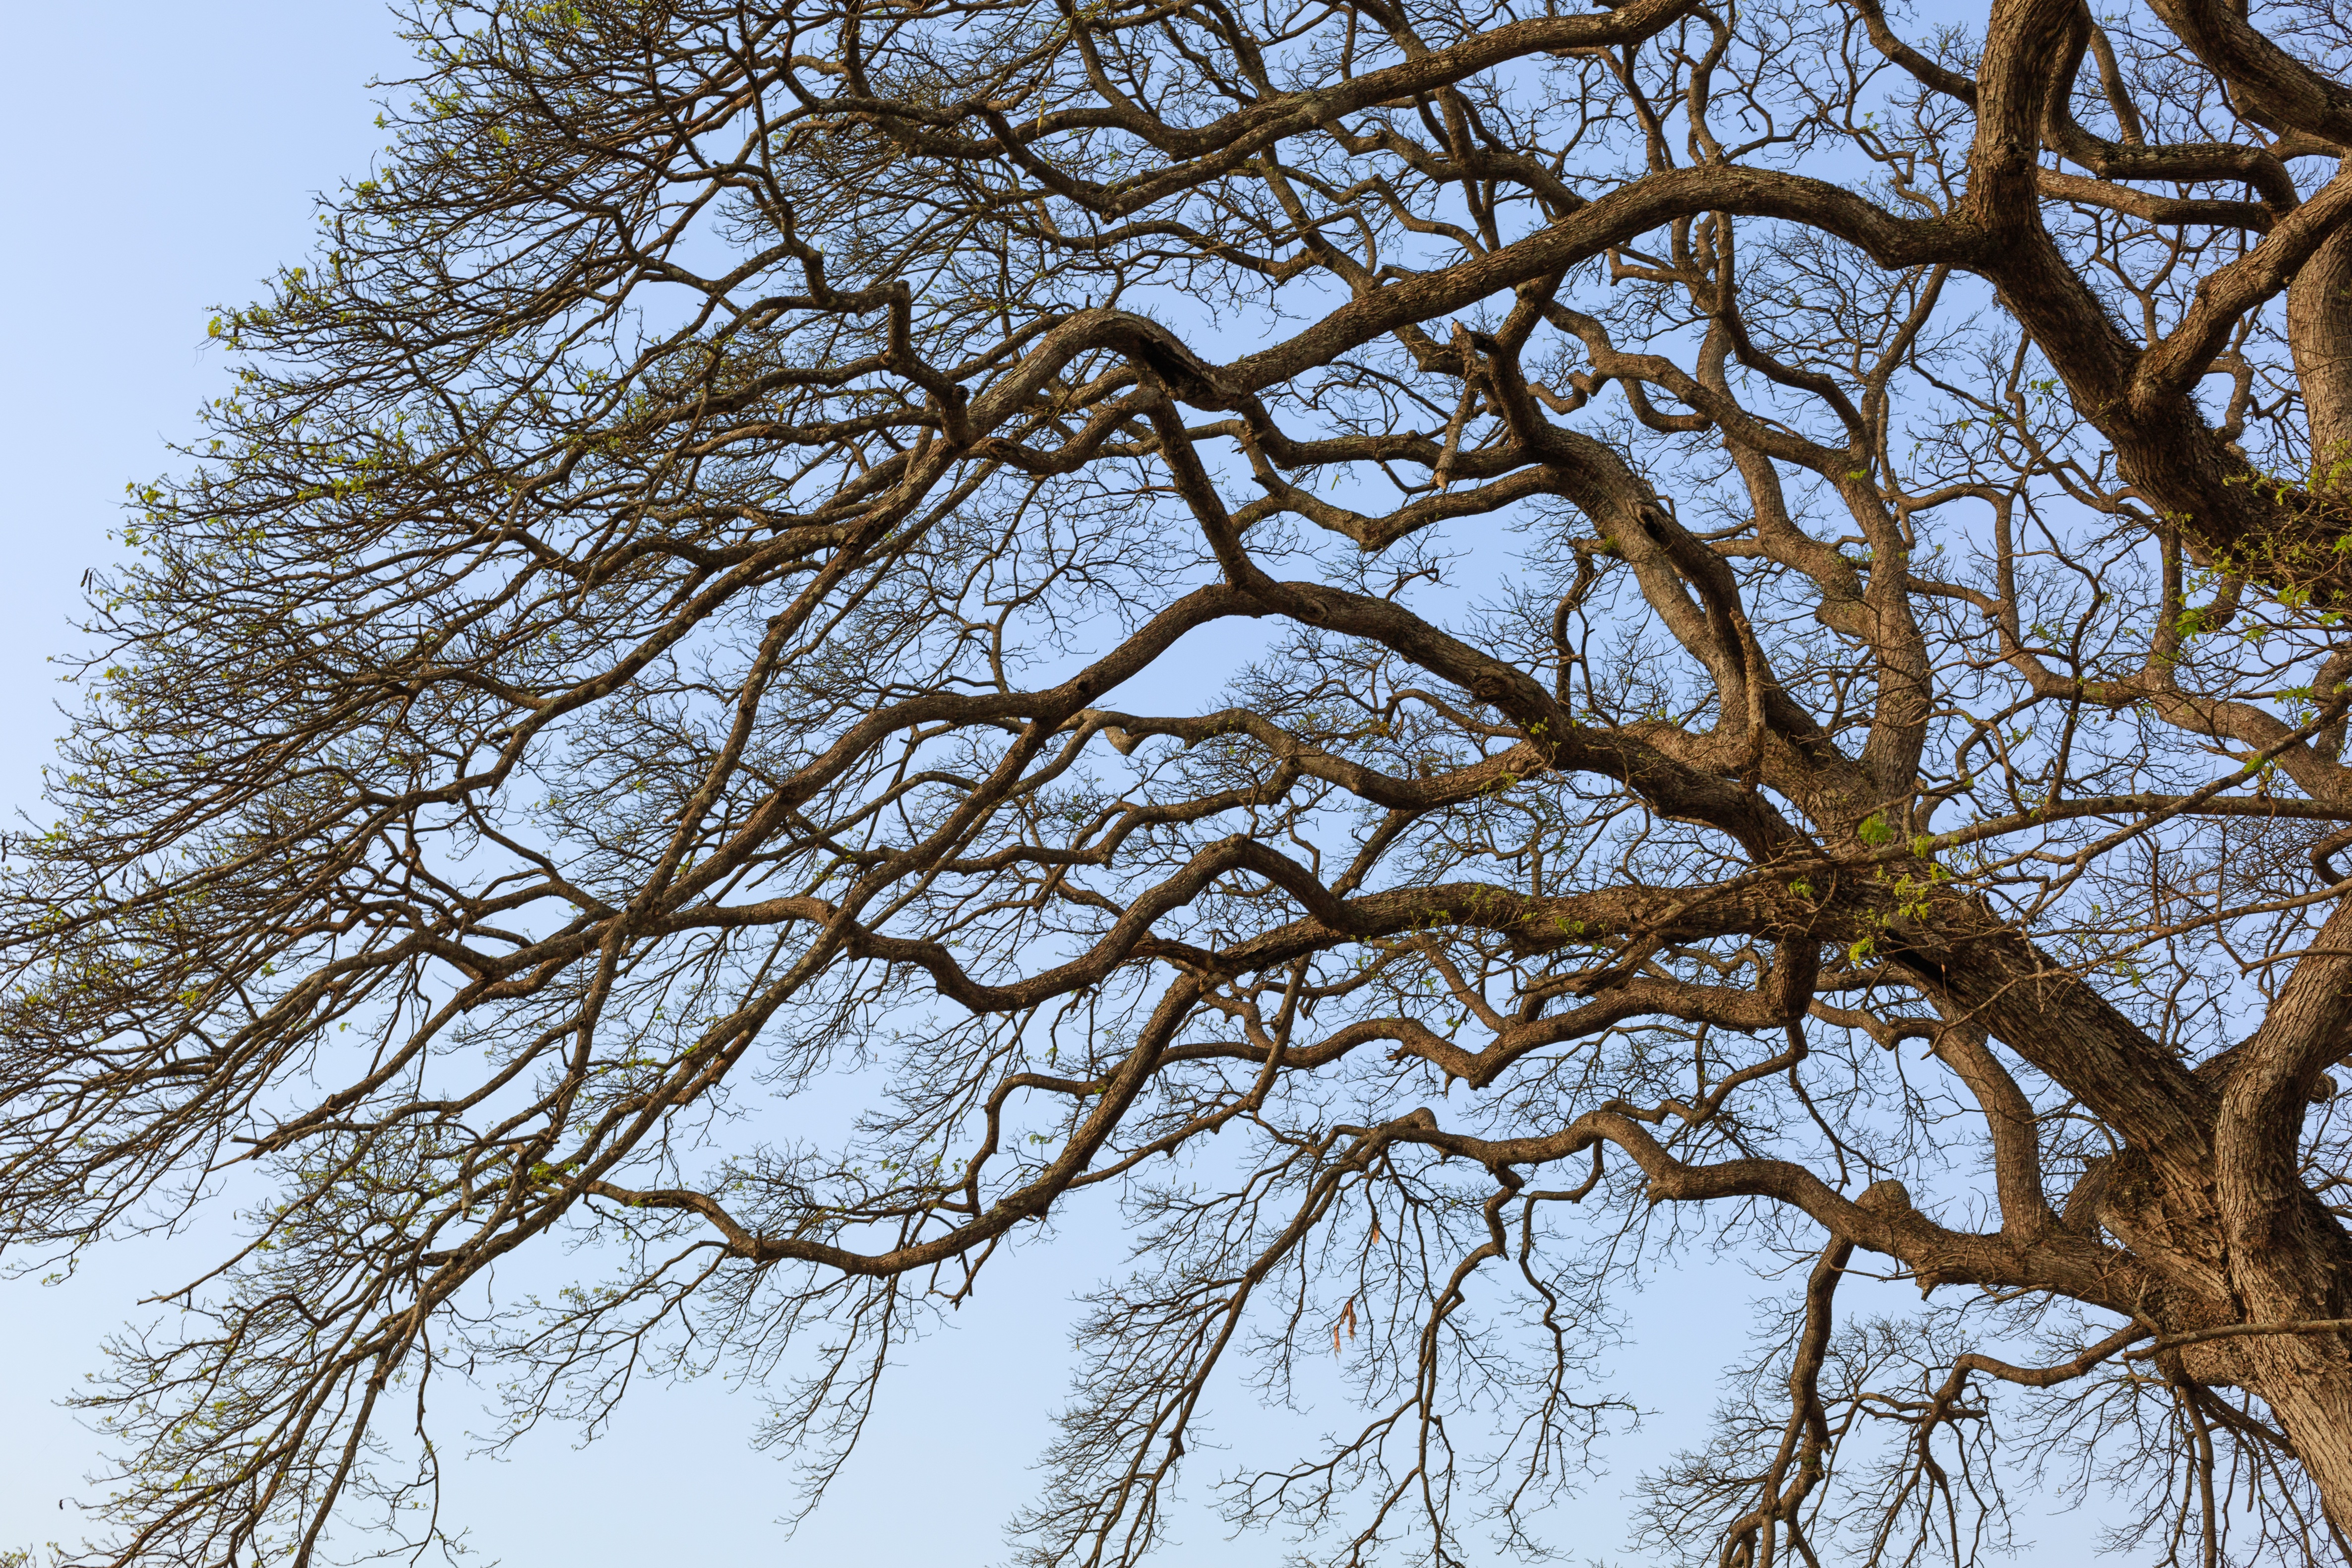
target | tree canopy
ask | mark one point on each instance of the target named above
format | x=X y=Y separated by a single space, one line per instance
x=1435 y=651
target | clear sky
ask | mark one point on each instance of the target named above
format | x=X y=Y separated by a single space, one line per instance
x=161 y=159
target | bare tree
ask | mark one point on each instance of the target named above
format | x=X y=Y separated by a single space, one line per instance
x=1789 y=570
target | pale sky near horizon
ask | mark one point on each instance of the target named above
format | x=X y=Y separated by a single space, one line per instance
x=162 y=160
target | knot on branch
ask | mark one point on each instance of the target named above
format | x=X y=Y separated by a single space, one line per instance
x=1888 y=1197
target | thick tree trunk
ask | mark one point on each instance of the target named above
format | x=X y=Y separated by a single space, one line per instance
x=2289 y=1259
x=2225 y=1255
x=2306 y=1380
x=2319 y=332
x=2207 y=1196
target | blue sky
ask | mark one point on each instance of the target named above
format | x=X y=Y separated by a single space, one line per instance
x=159 y=161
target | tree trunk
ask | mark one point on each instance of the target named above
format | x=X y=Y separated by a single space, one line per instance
x=2289 y=1259
x=2207 y=1193
x=2306 y=1380
x=2319 y=333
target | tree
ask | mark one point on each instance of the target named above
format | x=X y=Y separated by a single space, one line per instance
x=1791 y=571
